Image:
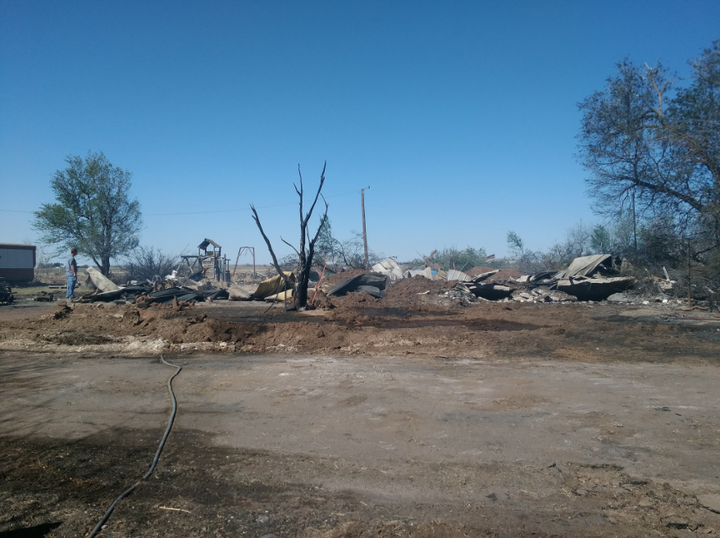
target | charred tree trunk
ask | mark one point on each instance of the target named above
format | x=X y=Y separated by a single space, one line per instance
x=305 y=252
x=256 y=218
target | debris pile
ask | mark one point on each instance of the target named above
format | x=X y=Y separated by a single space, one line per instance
x=592 y=278
x=588 y=278
x=105 y=290
x=44 y=297
x=389 y=268
x=372 y=284
x=274 y=289
x=6 y=296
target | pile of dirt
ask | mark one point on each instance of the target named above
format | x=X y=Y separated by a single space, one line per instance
x=502 y=274
x=478 y=270
x=417 y=285
x=412 y=293
x=353 y=301
x=322 y=301
x=406 y=324
x=505 y=274
x=329 y=280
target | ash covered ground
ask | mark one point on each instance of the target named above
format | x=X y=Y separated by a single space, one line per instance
x=410 y=415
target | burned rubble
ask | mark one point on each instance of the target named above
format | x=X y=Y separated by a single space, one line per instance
x=104 y=290
x=588 y=278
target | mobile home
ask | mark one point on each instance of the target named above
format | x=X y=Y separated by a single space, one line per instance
x=17 y=262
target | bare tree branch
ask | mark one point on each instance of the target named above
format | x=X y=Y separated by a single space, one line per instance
x=256 y=218
x=305 y=255
x=291 y=246
x=312 y=207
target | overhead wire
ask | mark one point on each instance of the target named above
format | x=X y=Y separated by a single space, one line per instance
x=128 y=491
x=209 y=212
x=238 y=210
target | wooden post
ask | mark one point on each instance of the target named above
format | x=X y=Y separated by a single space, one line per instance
x=362 y=204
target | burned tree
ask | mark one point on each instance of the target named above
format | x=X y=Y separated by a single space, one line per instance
x=305 y=254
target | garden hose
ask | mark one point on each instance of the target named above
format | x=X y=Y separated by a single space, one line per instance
x=128 y=491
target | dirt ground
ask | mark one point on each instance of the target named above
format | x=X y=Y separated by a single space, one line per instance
x=408 y=416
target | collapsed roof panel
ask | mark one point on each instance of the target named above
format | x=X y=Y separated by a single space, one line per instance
x=388 y=267
x=453 y=274
x=586 y=266
x=594 y=289
x=372 y=284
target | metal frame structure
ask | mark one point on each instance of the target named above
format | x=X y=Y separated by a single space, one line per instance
x=250 y=250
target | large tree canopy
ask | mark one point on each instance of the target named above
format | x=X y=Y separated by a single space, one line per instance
x=649 y=140
x=93 y=211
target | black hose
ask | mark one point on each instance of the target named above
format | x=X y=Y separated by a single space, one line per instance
x=128 y=491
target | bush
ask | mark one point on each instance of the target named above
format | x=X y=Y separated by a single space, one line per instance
x=148 y=263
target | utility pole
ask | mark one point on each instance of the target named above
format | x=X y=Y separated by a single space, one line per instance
x=362 y=205
x=634 y=223
x=689 y=298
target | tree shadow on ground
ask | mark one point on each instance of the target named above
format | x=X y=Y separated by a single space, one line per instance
x=37 y=531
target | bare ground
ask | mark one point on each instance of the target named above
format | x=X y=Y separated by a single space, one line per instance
x=406 y=416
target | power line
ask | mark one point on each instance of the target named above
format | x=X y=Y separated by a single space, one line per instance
x=242 y=209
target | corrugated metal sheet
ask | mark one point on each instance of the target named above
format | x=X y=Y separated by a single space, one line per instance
x=584 y=266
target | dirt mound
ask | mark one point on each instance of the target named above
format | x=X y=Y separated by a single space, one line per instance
x=505 y=274
x=410 y=294
x=321 y=301
x=416 y=293
x=416 y=285
x=354 y=300
x=406 y=321
x=479 y=270
x=330 y=280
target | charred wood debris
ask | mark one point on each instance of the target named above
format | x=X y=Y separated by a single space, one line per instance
x=590 y=278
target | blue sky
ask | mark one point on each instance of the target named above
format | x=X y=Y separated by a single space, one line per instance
x=460 y=116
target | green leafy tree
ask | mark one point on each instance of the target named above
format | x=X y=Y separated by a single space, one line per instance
x=617 y=140
x=652 y=147
x=600 y=239
x=93 y=211
x=525 y=260
x=327 y=247
x=462 y=260
x=660 y=243
x=454 y=258
x=515 y=244
x=692 y=126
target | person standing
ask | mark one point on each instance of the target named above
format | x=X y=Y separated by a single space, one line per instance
x=71 y=274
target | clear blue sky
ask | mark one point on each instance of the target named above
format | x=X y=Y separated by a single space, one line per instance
x=460 y=116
